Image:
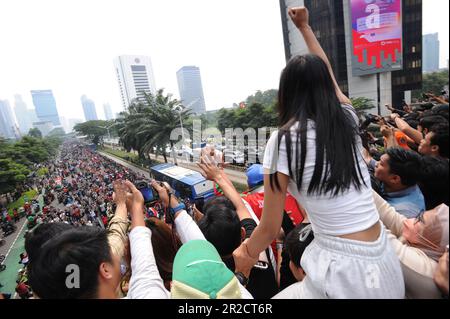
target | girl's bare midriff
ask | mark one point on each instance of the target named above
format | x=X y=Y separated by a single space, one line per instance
x=370 y=235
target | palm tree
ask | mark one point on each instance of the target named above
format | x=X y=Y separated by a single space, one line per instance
x=147 y=124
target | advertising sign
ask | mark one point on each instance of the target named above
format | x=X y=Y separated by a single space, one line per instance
x=376 y=36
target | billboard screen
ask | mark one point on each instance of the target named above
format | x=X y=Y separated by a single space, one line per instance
x=376 y=36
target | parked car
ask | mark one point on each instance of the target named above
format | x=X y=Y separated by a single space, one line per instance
x=234 y=157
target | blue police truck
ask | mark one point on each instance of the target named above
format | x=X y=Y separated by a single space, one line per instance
x=186 y=183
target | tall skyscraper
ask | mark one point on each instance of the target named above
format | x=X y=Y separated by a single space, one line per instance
x=45 y=105
x=89 y=109
x=7 y=121
x=135 y=76
x=331 y=22
x=431 y=47
x=191 y=89
x=23 y=115
x=108 y=111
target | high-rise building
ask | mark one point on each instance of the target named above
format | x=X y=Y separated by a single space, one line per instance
x=191 y=89
x=7 y=122
x=135 y=76
x=23 y=114
x=431 y=47
x=90 y=113
x=45 y=106
x=331 y=22
x=108 y=111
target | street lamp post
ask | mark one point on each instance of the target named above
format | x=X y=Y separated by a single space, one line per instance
x=109 y=135
x=180 y=109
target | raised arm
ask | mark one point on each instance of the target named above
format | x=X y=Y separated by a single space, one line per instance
x=186 y=227
x=145 y=281
x=300 y=17
x=118 y=226
x=412 y=133
x=213 y=173
x=248 y=253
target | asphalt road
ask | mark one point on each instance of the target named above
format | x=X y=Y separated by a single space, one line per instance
x=234 y=176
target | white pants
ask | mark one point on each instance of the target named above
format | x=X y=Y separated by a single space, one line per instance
x=340 y=268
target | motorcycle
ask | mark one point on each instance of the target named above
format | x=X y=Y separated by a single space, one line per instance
x=2 y=267
x=8 y=229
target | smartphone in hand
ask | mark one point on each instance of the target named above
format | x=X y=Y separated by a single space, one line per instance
x=147 y=191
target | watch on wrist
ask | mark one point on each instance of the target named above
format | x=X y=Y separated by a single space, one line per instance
x=242 y=279
x=177 y=208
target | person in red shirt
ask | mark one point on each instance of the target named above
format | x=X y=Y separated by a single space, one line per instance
x=105 y=220
x=255 y=196
x=23 y=291
x=27 y=207
x=16 y=215
x=294 y=212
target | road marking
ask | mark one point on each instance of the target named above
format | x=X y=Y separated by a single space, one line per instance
x=12 y=245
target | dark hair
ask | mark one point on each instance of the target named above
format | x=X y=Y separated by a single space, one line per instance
x=406 y=164
x=427 y=122
x=442 y=110
x=413 y=123
x=221 y=225
x=86 y=247
x=440 y=138
x=294 y=246
x=40 y=235
x=164 y=248
x=307 y=92
x=434 y=181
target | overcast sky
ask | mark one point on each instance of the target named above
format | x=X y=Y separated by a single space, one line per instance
x=69 y=46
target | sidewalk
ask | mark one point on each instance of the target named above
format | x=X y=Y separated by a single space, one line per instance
x=8 y=277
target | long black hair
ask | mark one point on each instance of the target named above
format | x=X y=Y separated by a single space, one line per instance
x=307 y=92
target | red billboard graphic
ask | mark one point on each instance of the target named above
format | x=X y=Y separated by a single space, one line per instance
x=376 y=36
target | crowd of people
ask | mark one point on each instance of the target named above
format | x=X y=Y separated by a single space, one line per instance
x=333 y=212
x=78 y=188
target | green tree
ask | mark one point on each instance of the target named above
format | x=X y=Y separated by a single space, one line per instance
x=266 y=98
x=432 y=83
x=148 y=124
x=94 y=130
x=59 y=131
x=361 y=105
x=35 y=132
x=16 y=159
x=226 y=119
x=11 y=174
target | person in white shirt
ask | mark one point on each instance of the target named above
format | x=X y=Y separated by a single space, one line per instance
x=145 y=281
x=316 y=157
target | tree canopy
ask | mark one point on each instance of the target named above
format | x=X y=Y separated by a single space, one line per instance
x=433 y=83
x=17 y=158
x=94 y=130
x=147 y=124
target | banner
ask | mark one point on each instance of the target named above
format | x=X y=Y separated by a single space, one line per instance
x=376 y=36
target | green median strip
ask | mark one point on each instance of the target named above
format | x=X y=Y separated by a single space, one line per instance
x=27 y=196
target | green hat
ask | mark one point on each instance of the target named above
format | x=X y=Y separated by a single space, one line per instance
x=199 y=273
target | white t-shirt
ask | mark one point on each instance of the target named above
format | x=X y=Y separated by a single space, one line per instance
x=349 y=212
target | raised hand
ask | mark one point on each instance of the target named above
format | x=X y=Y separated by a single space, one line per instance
x=120 y=193
x=210 y=171
x=300 y=16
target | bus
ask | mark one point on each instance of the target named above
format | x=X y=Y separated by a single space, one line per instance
x=186 y=183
